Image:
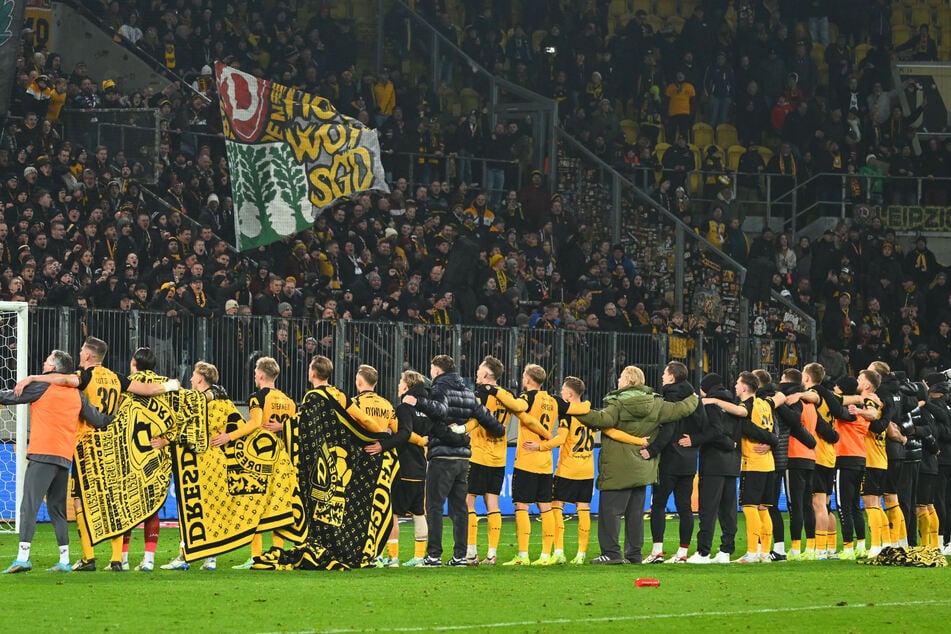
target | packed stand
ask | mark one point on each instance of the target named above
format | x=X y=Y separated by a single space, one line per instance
x=79 y=231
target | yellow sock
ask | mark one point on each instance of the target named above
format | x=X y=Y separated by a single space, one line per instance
x=116 y=544
x=883 y=526
x=419 y=549
x=473 y=535
x=277 y=541
x=896 y=523
x=393 y=548
x=811 y=543
x=874 y=527
x=523 y=530
x=832 y=538
x=495 y=528
x=88 y=552
x=795 y=544
x=822 y=538
x=765 y=530
x=924 y=527
x=751 y=513
x=559 y=514
x=257 y=545
x=548 y=531
x=584 y=529
x=934 y=526
x=848 y=545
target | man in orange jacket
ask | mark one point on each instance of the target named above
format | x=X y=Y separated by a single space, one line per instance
x=55 y=411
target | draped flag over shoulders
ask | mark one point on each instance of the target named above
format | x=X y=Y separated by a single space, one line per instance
x=291 y=155
x=345 y=492
x=227 y=495
x=124 y=480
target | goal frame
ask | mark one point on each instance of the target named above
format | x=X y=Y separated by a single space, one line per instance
x=21 y=310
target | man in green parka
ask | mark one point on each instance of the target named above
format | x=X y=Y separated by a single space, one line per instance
x=623 y=475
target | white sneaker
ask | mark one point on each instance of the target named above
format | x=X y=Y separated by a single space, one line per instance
x=947 y=551
x=676 y=559
x=749 y=558
x=655 y=558
x=697 y=558
x=764 y=558
x=721 y=558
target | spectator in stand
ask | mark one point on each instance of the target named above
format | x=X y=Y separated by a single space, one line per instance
x=681 y=105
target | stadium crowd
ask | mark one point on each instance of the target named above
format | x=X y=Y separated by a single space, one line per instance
x=79 y=230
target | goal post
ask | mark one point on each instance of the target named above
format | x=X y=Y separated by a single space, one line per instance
x=14 y=421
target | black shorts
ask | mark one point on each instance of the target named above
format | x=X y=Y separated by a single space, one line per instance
x=756 y=487
x=893 y=478
x=926 y=487
x=823 y=479
x=409 y=497
x=529 y=487
x=573 y=491
x=874 y=481
x=485 y=480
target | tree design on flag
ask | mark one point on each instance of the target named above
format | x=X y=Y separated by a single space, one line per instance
x=271 y=199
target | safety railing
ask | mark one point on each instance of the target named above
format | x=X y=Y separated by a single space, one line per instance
x=495 y=177
x=135 y=132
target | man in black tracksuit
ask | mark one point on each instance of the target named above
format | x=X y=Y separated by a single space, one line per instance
x=678 y=466
x=943 y=484
x=449 y=405
x=719 y=444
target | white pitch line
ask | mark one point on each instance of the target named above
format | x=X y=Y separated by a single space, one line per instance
x=636 y=617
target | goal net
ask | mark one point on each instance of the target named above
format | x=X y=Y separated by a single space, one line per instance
x=13 y=419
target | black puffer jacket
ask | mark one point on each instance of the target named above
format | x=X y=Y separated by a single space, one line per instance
x=451 y=402
x=674 y=459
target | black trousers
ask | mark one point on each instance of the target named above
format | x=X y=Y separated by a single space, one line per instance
x=848 y=490
x=682 y=488
x=799 y=501
x=717 y=502
x=942 y=501
x=908 y=497
x=775 y=515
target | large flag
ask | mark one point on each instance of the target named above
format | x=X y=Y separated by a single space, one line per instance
x=345 y=492
x=226 y=495
x=291 y=156
x=11 y=24
x=121 y=478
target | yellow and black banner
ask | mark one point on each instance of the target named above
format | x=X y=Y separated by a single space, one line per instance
x=121 y=478
x=227 y=494
x=345 y=492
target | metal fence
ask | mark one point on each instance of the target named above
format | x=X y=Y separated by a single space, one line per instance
x=234 y=343
x=135 y=132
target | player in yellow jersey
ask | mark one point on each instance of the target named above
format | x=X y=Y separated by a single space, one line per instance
x=319 y=372
x=876 y=460
x=381 y=410
x=102 y=388
x=532 y=477
x=265 y=404
x=487 y=463
x=756 y=465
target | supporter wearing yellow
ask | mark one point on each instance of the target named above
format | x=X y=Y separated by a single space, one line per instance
x=269 y=405
x=487 y=464
x=532 y=477
x=102 y=388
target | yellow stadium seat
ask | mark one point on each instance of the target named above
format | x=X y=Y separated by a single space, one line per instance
x=861 y=50
x=675 y=23
x=697 y=157
x=630 y=130
x=900 y=35
x=666 y=8
x=898 y=17
x=537 y=37
x=687 y=7
x=695 y=184
x=659 y=151
x=702 y=134
x=656 y=22
x=470 y=99
x=920 y=14
x=733 y=154
x=765 y=153
x=726 y=135
x=818 y=53
x=642 y=5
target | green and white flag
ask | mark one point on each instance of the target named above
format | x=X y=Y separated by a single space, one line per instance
x=291 y=156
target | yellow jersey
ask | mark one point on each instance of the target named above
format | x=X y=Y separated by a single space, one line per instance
x=102 y=387
x=544 y=408
x=575 y=443
x=491 y=451
x=761 y=414
x=377 y=408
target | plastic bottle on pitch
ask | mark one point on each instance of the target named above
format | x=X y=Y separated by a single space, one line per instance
x=647 y=583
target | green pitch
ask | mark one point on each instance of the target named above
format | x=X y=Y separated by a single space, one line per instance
x=835 y=596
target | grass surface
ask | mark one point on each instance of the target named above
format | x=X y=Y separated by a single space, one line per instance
x=836 y=596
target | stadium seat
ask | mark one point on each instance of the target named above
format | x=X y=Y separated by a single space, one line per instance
x=702 y=134
x=733 y=154
x=659 y=151
x=695 y=184
x=920 y=14
x=537 y=37
x=900 y=35
x=818 y=53
x=726 y=135
x=656 y=22
x=730 y=17
x=675 y=23
x=861 y=50
x=470 y=99
x=686 y=8
x=765 y=153
x=898 y=17
x=697 y=156
x=638 y=5
x=666 y=8
x=630 y=130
